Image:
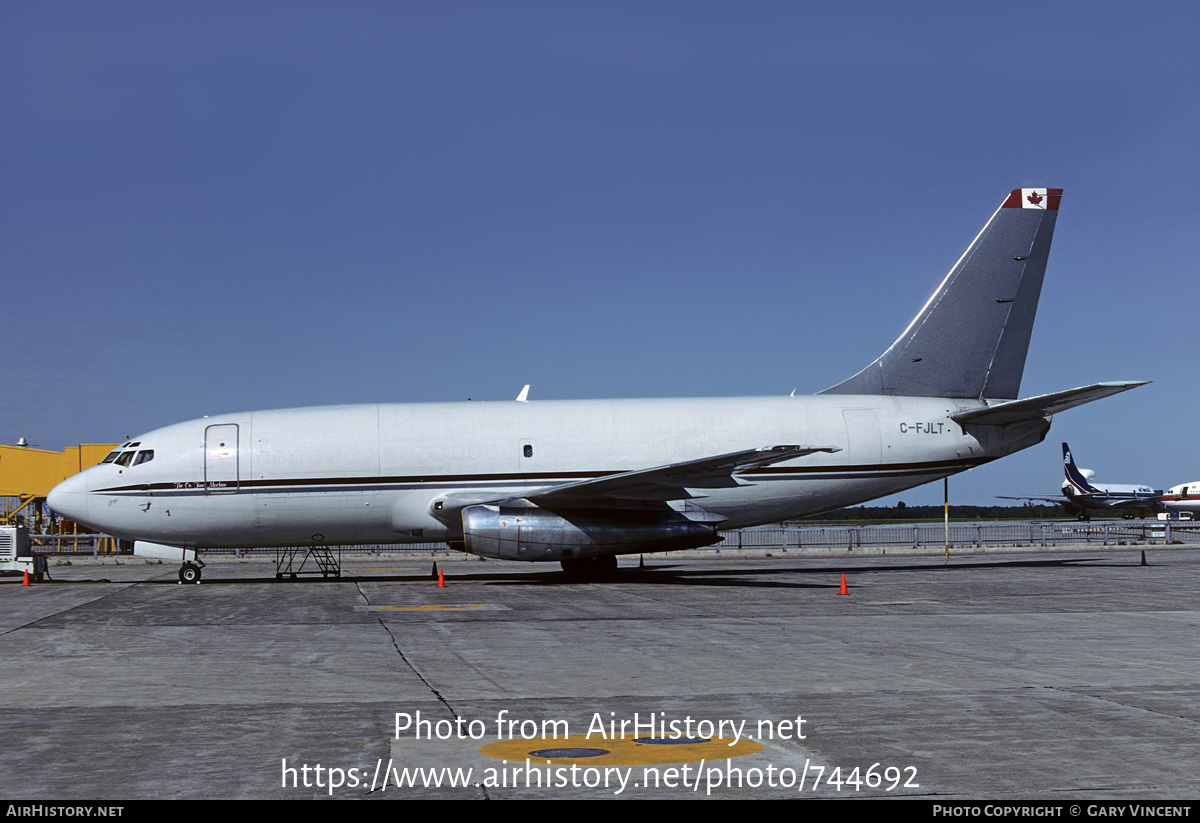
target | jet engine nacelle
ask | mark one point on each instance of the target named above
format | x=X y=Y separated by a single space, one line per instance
x=1068 y=488
x=532 y=533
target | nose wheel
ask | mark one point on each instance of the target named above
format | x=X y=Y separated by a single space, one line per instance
x=189 y=573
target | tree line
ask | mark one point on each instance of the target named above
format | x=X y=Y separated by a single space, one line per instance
x=1029 y=511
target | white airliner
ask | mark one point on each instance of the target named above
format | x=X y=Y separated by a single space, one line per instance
x=1081 y=497
x=1183 y=498
x=581 y=482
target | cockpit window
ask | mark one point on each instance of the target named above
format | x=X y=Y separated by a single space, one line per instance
x=124 y=459
x=111 y=457
x=144 y=456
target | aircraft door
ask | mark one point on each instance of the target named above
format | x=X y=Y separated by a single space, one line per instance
x=863 y=445
x=221 y=458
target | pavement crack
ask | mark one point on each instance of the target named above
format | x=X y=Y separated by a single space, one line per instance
x=1125 y=705
x=33 y=623
x=432 y=689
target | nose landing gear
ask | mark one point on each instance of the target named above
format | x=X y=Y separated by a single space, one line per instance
x=189 y=573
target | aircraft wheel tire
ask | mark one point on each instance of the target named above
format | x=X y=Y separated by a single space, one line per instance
x=591 y=568
x=189 y=573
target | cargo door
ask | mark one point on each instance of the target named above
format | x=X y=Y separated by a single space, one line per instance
x=863 y=443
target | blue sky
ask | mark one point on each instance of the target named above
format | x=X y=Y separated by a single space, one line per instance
x=210 y=207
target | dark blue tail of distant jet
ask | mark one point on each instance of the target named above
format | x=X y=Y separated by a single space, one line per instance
x=1074 y=476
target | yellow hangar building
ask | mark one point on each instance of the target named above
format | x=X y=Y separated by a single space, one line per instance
x=27 y=475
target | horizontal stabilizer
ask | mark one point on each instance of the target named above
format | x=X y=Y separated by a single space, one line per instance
x=1044 y=405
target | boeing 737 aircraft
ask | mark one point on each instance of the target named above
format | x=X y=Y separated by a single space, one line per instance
x=581 y=482
x=1081 y=496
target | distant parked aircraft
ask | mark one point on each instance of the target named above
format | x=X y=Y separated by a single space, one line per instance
x=1183 y=498
x=1081 y=497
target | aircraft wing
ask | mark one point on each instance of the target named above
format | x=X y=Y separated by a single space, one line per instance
x=659 y=484
x=1136 y=503
x=1057 y=500
x=1043 y=405
x=673 y=481
x=1096 y=501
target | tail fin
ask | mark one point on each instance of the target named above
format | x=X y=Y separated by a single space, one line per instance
x=971 y=337
x=1074 y=475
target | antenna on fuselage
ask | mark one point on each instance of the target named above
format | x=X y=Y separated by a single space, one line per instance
x=523 y=397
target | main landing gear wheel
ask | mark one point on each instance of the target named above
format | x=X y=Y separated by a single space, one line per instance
x=591 y=568
x=189 y=573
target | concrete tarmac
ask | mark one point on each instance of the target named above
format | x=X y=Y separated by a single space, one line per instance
x=1065 y=675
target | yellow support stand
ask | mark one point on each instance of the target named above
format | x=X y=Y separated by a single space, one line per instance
x=27 y=476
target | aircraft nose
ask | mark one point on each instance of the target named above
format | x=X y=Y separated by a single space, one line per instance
x=69 y=498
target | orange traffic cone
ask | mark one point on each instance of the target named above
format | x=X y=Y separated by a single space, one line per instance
x=25 y=581
x=441 y=580
x=843 y=589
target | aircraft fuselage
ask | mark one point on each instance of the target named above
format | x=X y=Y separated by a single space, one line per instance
x=375 y=473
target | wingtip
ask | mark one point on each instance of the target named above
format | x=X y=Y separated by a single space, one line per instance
x=1124 y=385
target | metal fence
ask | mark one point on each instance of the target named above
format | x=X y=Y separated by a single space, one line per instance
x=915 y=536
x=978 y=535
x=75 y=544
